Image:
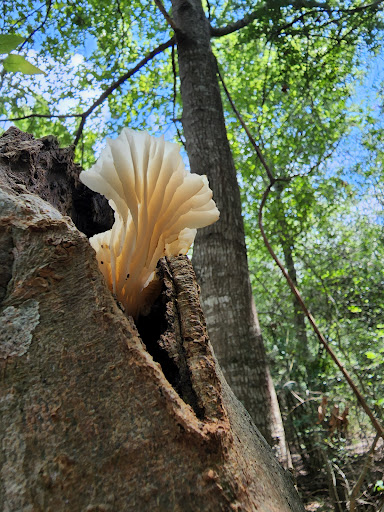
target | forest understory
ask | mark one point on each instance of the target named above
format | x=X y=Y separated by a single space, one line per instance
x=346 y=460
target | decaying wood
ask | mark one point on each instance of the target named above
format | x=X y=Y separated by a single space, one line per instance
x=96 y=413
x=45 y=169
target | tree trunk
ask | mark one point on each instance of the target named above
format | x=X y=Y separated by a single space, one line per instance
x=89 y=420
x=287 y=245
x=220 y=256
x=298 y=315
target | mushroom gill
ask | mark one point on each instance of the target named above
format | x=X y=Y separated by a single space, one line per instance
x=158 y=207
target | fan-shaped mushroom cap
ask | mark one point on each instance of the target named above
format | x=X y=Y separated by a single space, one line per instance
x=158 y=206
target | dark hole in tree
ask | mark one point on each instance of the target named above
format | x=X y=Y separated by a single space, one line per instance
x=151 y=327
x=91 y=212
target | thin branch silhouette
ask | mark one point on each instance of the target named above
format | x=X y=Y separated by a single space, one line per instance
x=84 y=115
x=117 y=84
x=272 y=181
x=49 y=7
x=167 y=17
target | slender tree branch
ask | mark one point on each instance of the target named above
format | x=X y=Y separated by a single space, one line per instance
x=343 y=13
x=26 y=16
x=167 y=17
x=345 y=479
x=272 y=181
x=332 y=483
x=298 y=4
x=245 y=127
x=378 y=427
x=290 y=24
x=209 y=10
x=43 y=116
x=121 y=14
x=49 y=6
x=174 y=71
x=117 y=84
x=301 y=402
x=237 y=25
x=249 y=18
x=372 y=5
x=80 y=129
x=102 y=97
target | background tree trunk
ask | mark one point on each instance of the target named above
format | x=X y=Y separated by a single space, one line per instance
x=220 y=255
x=88 y=419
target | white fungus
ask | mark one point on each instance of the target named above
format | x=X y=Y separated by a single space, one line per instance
x=158 y=207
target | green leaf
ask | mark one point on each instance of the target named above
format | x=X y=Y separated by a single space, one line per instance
x=379 y=486
x=9 y=42
x=17 y=63
x=370 y=355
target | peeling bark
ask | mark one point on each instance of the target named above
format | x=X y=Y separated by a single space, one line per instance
x=89 y=420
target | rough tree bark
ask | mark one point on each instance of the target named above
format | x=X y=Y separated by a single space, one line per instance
x=95 y=416
x=220 y=256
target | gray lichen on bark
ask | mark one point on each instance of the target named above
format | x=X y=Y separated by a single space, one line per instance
x=16 y=328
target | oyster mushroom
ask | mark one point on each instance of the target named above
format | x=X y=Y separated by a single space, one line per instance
x=157 y=205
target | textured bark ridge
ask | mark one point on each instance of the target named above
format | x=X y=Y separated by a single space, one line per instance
x=220 y=254
x=95 y=416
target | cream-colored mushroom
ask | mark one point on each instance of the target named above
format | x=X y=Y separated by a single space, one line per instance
x=158 y=207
